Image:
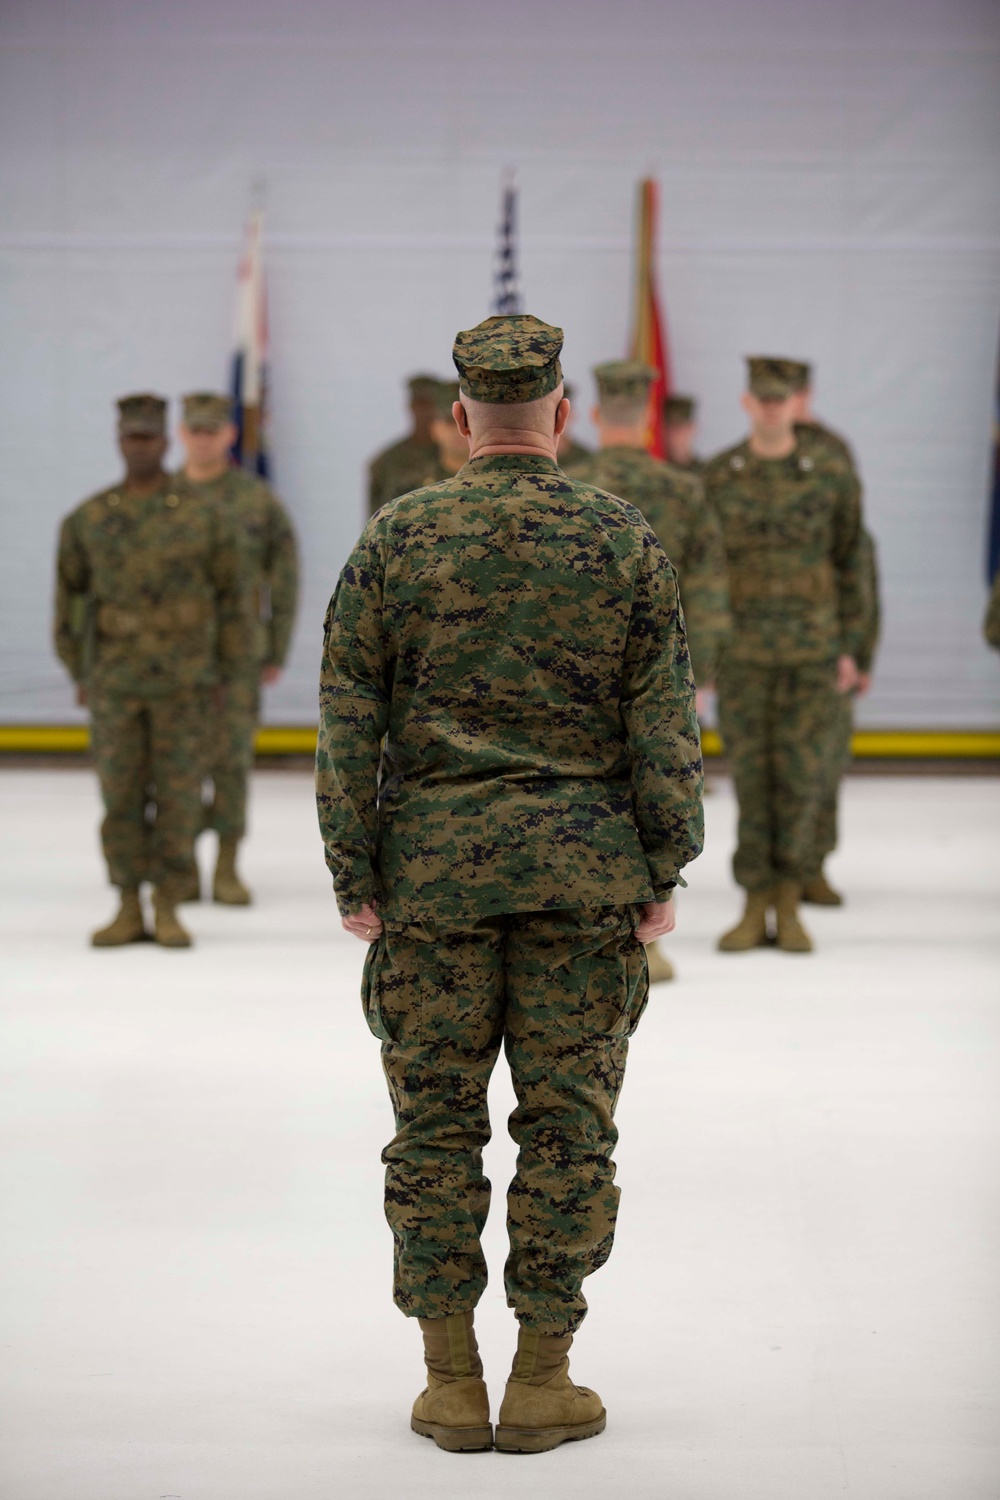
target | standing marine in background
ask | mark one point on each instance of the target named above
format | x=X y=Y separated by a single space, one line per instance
x=151 y=615
x=270 y=576
x=452 y=448
x=791 y=523
x=674 y=505
x=812 y=435
x=680 y=429
x=570 y=451
x=402 y=466
x=821 y=442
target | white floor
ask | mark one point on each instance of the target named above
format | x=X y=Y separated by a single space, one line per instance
x=803 y=1299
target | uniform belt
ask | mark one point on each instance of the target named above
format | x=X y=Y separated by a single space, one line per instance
x=180 y=615
x=754 y=586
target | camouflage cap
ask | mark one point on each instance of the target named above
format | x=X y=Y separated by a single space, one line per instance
x=510 y=357
x=446 y=393
x=422 y=387
x=206 y=411
x=802 y=374
x=679 y=410
x=623 y=377
x=143 y=414
x=771 y=378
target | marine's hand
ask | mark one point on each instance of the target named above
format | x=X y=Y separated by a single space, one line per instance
x=270 y=674
x=81 y=695
x=864 y=683
x=364 y=924
x=658 y=918
x=848 y=675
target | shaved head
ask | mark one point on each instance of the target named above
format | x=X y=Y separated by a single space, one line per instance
x=513 y=416
x=513 y=426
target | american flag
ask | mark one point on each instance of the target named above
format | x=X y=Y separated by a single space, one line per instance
x=506 y=279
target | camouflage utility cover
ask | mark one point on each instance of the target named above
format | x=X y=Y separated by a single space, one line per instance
x=150 y=593
x=679 y=410
x=674 y=505
x=771 y=378
x=421 y=387
x=623 y=377
x=270 y=561
x=206 y=411
x=144 y=415
x=407 y=465
x=509 y=358
x=792 y=533
x=516 y=641
x=446 y=393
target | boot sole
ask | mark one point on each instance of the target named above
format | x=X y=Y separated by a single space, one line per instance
x=541 y=1439
x=455 y=1439
x=231 y=900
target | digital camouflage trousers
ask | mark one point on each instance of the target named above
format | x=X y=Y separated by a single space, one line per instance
x=149 y=753
x=231 y=751
x=777 y=725
x=562 y=992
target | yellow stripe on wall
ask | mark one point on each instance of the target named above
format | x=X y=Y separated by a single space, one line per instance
x=873 y=744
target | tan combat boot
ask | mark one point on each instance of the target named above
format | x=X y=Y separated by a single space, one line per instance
x=541 y=1406
x=818 y=891
x=227 y=887
x=751 y=930
x=127 y=927
x=167 y=929
x=792 y=936
x=660 y=967
x=454 y=1407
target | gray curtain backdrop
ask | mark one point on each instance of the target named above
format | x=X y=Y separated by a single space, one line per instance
x=829 y=177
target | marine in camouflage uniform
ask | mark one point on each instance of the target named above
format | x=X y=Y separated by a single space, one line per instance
x=405 y=465
x=508 y=765
x=674 y=505
x=150 y=615
x=271 y=580
x=679 y=429
x=452 y=447
x=823 y=444
x=792 y=531
x=991 y=624
x=570 y=452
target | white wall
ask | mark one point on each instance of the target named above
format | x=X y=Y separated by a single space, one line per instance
x=830 y=189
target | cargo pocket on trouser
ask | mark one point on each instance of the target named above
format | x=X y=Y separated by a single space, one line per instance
x=618 y=983
x=371 y=989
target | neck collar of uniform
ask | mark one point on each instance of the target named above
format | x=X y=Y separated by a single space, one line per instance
x=509 y=463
